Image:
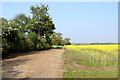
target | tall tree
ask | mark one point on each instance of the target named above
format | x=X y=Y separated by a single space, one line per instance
x=42 y=22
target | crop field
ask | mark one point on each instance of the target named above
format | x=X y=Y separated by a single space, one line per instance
x=91 y=61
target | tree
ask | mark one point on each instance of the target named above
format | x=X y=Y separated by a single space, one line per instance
x=24 y=33
x=42 y=22
x=57 y=38
x=9 y=35
x=67 y=41
x=22 y=21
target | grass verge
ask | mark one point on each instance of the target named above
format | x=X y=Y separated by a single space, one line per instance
x=78 y=66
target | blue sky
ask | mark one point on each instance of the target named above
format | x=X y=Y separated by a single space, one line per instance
x=83 y=22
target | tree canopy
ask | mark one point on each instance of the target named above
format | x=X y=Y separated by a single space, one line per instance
x=24 y=33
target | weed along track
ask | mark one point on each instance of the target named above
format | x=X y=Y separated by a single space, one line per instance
x=40 y=64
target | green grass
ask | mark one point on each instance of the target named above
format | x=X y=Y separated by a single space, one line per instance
x=90 y=74
x=80 y=65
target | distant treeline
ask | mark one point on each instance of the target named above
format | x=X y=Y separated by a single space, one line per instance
x=102 y=43
x=24 y=33
x=94 y=43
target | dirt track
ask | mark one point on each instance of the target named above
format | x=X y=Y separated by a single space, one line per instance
x=40 y=64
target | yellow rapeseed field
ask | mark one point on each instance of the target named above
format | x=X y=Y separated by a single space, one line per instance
x=91 y=61
x=99 y=55
x=113 y=49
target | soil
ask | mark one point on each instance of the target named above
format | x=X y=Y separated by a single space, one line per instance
x=37 y=64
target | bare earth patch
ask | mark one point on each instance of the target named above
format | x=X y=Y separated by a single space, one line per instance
x=40 y=64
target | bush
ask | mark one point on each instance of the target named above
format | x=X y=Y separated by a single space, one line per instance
x=5 y=45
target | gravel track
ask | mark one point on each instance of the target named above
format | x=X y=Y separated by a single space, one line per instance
x=39 y=64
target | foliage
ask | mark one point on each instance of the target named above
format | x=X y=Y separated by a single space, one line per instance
x=24 y=33
x=67 y=41
x=57 y=39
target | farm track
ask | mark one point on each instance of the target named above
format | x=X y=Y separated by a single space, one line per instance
x=39 y=64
